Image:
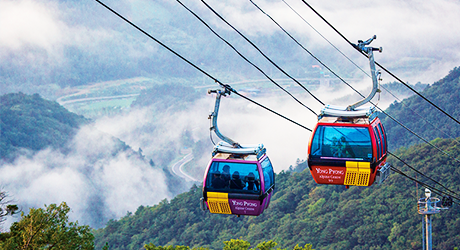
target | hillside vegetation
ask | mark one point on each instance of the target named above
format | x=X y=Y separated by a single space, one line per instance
x=31 y=122
x=414 y=112
x=328 y=217
x=301 y=212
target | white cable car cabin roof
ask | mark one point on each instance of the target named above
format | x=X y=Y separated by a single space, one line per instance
x=337 y=114
x=223 y=150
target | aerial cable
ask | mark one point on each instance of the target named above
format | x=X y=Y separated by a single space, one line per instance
x=349 y=85
x=311 y=26
x=263 y=54
x=242 y=56
x=426 y=120
x=287 y=33
x=434 y=189
x=375 y=105
x=325 y=38
x=421 y=138
x=436 y=182
x=421 y=117
x=198 y=68
x=390 y=73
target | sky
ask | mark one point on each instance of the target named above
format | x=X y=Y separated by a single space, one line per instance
x=419 y=45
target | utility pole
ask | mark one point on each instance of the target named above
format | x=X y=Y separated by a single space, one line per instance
x=427 y=207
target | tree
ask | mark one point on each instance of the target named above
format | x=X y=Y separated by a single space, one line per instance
x=151 y=246
x=47 y=229
x=5 y=207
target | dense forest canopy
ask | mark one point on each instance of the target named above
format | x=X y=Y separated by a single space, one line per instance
x=301 y=211
x=424 y=119
x=31 y=122
x=329 y=217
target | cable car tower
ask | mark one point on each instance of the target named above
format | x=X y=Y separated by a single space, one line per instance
x=428 y=206
x=348 y=145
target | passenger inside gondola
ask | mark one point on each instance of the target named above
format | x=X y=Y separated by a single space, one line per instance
x=341 y=148
x=336 y=142
x=252 y=183
x=226 y=175
x=244 y=178
x=236 y=182
x=217 y=181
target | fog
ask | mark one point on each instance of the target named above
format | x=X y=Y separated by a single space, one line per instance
x=48 y=45
x=97 y=181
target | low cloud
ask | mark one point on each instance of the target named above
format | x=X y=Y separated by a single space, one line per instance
x=96 y=180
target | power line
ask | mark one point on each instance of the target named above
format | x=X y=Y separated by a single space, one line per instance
x=434 y=189
x=242 y=56
x=263 y=54
x=367 y=75
x=436 y=182
x=287 y=33
x=413 y=111
x=353 y=88
x=198 y=68
x=394 y=76
x=231 y=89
x=311 y=26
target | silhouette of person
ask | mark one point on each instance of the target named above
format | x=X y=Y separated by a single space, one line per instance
x=236 y=182
x=226 y=175
x=217 y=181
x=347 y=150
x=253 y=184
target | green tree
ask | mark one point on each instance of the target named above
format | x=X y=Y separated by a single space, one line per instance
x=236 y=245
x=266 y=245
x=151 y=246
x=48 y=229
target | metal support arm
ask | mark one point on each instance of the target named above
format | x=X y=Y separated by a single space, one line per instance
x=213 y=117
x=361 y=46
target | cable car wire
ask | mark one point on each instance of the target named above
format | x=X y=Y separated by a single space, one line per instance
x=198 y=68
x=378 y=64
x=260 y=51
x=287 y=33
x=231 y=89
x=325 y=38
x=242 y=56
x=406 y=106
x=354 y=89
x=405 y=163
x=391 y=117
x=434 y=189
x=420 y=137
x=426 y=141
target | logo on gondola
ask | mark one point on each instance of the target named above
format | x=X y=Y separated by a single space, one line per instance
x=244 y=203
x=329 y=171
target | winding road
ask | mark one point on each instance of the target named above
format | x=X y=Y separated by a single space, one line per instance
x=177 y=168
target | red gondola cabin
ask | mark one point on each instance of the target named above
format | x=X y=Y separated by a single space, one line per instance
x=349 y=150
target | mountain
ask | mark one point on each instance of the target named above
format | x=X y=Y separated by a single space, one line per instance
x=31 y=122
x=329 y=217
x=424 y=119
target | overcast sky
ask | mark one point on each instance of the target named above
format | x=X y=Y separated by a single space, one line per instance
x=411 y=32
x=420 y=44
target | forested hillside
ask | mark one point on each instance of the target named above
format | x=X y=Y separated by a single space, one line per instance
x=31 y=122
x=328 y=217
x=424 y=119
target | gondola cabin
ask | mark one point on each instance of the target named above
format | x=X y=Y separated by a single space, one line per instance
x=238 y=181
x=348 y=150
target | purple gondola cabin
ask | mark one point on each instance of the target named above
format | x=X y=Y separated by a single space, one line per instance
x=238 y=181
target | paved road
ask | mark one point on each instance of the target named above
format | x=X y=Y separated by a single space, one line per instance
x=177 y=168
